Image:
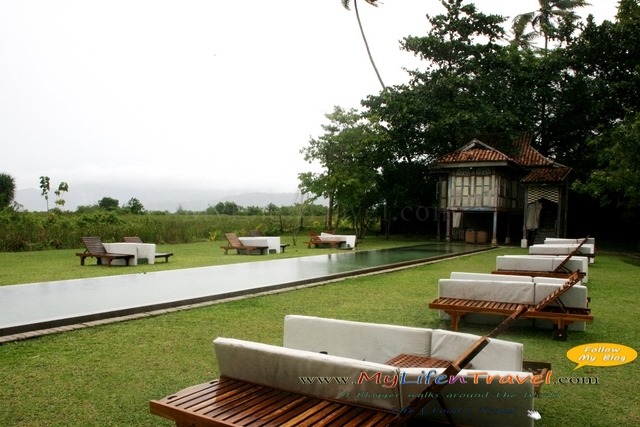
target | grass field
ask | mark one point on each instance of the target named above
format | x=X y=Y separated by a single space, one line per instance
x=106 y=375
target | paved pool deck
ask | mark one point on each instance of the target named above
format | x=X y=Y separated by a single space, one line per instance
x=36 y=309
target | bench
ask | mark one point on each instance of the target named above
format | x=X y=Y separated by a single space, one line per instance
x=95 y=249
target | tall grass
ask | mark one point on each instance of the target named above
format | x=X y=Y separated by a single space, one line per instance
x=26 y=231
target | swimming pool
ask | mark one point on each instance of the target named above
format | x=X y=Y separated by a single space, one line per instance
x=38 y=306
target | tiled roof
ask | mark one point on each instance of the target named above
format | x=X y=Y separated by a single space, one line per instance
x=542 y=169
x=522 y=153
x=549 y=175
x=526 y=155
x=475 y=151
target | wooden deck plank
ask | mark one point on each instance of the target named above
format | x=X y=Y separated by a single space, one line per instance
x=227 y=402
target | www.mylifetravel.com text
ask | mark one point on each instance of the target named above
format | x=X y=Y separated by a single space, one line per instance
x=476 y=377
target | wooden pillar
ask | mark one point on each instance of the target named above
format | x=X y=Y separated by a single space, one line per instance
x=494 y=238
x=523 y=242
x=448 y=235
x=559 y=213
x=507 y=239
x=438 y=207
x=565 y=209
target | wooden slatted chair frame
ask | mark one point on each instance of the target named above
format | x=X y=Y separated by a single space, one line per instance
x=95 y=249
x=236 y=243
x=318 y=241
x=561 y=316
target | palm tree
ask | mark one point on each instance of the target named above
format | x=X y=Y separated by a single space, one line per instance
x=345 y=3
x=521 y=38
x=544 y=19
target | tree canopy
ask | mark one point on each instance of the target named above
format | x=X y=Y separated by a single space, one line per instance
x=577 y=96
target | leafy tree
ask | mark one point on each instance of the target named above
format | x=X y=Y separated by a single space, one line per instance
x=594 y=88
x=345 y=3
x=616 y=180
x=7 y=190
x=466 y=90
x=109 y=204
x=272 y=209
x=253 y=210
x=345 y=152
x=135 y=206
x=227 y=208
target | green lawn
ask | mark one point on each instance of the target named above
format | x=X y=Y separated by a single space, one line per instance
x=106 y=375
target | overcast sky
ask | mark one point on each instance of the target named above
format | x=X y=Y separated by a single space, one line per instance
x=206 y=94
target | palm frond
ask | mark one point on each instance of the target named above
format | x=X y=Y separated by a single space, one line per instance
x=521 y=21
x=569 y=4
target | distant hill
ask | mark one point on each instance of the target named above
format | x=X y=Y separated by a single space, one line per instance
x=153 y=199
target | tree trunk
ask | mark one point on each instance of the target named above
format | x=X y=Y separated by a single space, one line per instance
x=366 y=44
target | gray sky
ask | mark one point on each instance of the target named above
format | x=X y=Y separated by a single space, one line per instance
x=204 y=94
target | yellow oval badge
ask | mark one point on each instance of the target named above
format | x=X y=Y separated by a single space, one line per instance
x=601 y=354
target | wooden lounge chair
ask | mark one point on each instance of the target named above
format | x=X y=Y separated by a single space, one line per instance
x=135 y=239
x=561 y=316
x=95 y=249
x=561 y=271
x=318 y=241
x=241 y=248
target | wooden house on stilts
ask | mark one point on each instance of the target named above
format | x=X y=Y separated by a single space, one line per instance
x=485 y=193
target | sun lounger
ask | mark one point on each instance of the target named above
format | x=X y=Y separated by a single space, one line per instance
x=95 y=249
x=558 y=313
x=318 y=241
x=241 y=248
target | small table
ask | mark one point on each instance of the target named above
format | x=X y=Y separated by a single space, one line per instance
x=138 y=250
x=415 y=361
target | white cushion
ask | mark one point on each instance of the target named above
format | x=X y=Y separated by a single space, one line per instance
x=559 y=249
x=514 y=262
x=282 y=368
x=575 y=263
x=542 y=263
x=487 y=290
x=498 y=354
x=357 y=340
x=556 y=240
x=488 y=276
